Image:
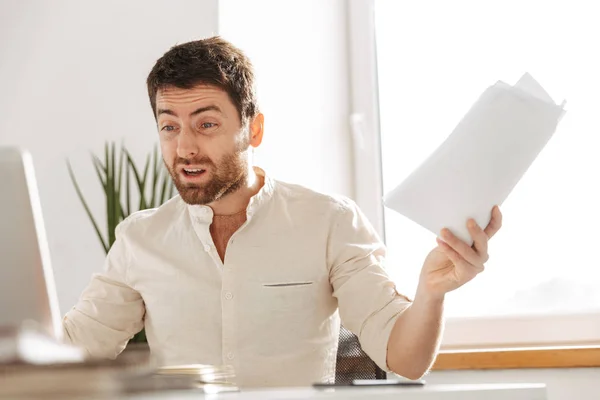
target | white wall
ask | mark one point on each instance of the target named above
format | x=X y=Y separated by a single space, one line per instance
x=72 y=75
x=300 y=53
x=562 y=384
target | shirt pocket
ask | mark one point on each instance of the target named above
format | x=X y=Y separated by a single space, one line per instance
x=288 y=298
x=282 y=315
x=287 y=284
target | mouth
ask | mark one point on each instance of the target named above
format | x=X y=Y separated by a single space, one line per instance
x=193 y=175
x=193 y=171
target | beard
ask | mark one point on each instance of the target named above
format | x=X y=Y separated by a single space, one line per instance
x=226 y=176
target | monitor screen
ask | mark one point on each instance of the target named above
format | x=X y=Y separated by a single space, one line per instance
x=27 y=290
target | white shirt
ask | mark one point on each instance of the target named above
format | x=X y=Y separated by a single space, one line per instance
x=270 y=310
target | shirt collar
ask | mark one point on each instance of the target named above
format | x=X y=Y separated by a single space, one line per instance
x=205 y=214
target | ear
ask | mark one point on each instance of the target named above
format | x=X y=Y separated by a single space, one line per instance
x=256 y=130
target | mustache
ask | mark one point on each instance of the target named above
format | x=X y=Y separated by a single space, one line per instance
x=193 y=161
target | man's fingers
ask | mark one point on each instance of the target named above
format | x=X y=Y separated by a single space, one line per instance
x=480 y=240
x=459 y=262
x=468 y=270
x=463 y=249
x=449 y=252
x=495 y=223
x=471 y=257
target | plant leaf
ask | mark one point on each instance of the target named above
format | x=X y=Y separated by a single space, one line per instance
x=139 y=180
x=120 y=171
x=110 y=194
x=118 y=208
x=87 y=209
x=156 y=179
x=135 y=171
x=172 y=188
x=116 y=191
x=127 y=186
x=131 y=163
x=165 y=185
x=143 y=202
x=100 y=171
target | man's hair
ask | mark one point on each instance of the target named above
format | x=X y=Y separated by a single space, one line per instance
x=212 y=61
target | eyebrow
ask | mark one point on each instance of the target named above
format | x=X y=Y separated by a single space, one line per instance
x=195 y=112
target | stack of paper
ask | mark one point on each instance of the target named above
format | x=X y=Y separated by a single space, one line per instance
x=209 y=379
x=30 y=344
x=203 y=373
x=33 y=365
x=481 y=161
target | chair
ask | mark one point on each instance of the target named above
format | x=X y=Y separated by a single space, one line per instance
x=353 y=362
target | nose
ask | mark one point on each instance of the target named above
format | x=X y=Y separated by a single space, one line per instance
x=186 y=145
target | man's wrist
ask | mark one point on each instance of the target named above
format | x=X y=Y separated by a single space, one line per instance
x=426 y=296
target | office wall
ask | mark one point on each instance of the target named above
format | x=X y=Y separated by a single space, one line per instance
x=72 y=75
x=300 y=53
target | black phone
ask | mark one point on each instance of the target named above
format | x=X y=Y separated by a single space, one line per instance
x=371 y=383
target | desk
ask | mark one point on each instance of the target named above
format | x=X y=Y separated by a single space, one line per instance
x=428 y=392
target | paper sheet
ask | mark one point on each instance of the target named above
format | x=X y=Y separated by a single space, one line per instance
x=481 y=161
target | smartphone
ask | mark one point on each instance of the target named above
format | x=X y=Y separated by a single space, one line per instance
x=371 y=383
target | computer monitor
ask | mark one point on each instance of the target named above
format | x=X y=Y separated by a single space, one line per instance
x=27 y=290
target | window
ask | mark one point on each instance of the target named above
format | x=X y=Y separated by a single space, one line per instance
x=433 y=59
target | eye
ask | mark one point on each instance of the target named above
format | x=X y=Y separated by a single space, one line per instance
x=168 y=128
x=207 y=125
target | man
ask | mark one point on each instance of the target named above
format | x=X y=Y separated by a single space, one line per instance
x=245 y=270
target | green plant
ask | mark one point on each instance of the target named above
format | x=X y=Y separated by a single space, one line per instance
x=152 y=187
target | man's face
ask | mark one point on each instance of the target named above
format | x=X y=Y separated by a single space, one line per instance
x=203 y=143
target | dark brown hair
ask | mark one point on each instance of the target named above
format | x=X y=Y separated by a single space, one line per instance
x=211 y=61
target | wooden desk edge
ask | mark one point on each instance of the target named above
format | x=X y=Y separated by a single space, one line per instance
x=543 y=357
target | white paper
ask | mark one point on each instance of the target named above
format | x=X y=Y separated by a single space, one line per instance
x=481 y=161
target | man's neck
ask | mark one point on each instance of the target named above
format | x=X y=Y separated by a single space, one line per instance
x=237 y=201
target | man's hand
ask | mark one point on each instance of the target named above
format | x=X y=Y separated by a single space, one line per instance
x=416 y=335
x=453 y=262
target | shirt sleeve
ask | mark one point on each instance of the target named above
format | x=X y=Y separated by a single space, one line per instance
x=367 y=298
x=109 y=311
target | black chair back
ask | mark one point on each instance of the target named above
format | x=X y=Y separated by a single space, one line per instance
x=353 y=362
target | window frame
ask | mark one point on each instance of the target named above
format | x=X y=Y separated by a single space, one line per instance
x=473 y=335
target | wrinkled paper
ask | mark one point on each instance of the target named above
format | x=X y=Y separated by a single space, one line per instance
x=481 y=161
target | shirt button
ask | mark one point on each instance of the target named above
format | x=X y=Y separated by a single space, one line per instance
x=228 y=295
x=207 y=248
x=230 y=356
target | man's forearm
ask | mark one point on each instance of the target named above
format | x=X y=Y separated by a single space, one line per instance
x=415 y=338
